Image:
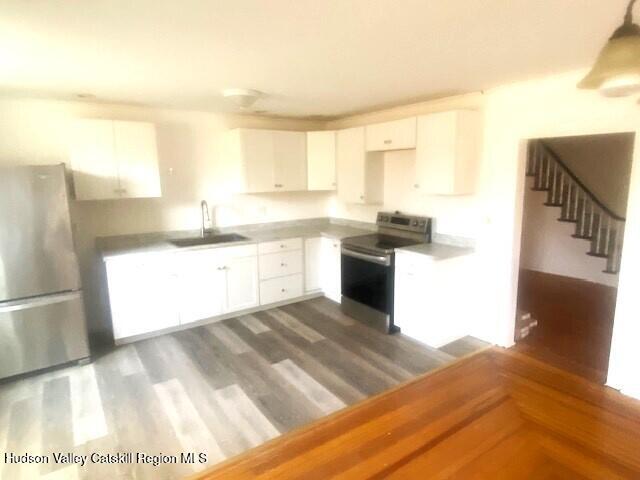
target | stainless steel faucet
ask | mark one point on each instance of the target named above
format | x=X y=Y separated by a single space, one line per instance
x=204 y=210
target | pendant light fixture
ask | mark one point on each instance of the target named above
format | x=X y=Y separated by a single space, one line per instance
x=616 y=72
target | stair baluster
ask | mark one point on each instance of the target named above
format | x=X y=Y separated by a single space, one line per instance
x=594 y=222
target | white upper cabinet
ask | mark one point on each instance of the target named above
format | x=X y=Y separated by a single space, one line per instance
x=290 y=155
x=269 y=160
x=360 y=175
x=321 y=160
x=137 y=158
x=114 y=159
x=95 y=170
x=447 y=152
x=395 y=135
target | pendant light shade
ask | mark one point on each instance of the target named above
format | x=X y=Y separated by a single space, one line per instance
x=617 y=69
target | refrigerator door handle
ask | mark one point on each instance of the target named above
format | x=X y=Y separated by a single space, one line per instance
x=34 y=302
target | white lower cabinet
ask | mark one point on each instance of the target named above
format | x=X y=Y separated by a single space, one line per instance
x=281 y=270
x=152 y=292
x=330 y=269
x=281 y=289
x=142 y=294
x=312 y=264
x=280 y=264
x=156 y=291
x=242 y=283
x=433 y=299
x=201 y=284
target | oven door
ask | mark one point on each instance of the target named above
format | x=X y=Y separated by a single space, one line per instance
x=367 y=287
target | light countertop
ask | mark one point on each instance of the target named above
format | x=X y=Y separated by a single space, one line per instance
x=117 y=246
x=438 y=251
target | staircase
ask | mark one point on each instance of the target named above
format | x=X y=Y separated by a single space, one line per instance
x=594 y=221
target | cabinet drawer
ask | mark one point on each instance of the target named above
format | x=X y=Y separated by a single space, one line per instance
x=396 y=135
x=280 y=264
x=280 y=245
x=281 y=288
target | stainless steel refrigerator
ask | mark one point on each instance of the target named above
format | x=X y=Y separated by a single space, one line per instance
x=42 y=319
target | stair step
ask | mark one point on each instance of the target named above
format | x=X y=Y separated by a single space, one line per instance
x=582 y=237
x=612 y=272
x=568 y=220
x=596 y=254
x=548 y=204
x=540 y=189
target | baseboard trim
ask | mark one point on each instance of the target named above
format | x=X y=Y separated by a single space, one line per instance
x=207 y=321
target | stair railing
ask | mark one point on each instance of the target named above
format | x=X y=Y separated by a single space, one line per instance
x=594 y=220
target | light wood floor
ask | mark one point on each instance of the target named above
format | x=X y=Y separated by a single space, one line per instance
x=219 y=390
x=495 y=415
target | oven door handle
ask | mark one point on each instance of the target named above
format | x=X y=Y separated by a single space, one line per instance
x=379 y=259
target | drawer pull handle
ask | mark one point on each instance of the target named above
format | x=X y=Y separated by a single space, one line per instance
x=282 y=246
x=283 y=264
x=387 y=142
x=283 y=290
x=416 y=186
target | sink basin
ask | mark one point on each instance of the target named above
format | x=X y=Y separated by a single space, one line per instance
x=208 y=240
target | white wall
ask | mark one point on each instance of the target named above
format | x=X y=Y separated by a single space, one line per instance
x=551 y=107
x=547 y=244
x=191 y=168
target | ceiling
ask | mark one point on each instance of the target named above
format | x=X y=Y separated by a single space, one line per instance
x=311 y=57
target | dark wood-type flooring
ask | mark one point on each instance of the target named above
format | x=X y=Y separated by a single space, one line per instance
x=575 y=322
x=494 y=415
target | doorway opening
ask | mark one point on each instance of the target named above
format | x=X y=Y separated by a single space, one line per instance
x=572 y=238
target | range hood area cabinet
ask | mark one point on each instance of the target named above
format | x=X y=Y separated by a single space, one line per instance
x=321 y=160
x=269 y=160
x=360 y=174
x=447 y=152
x=394 y=135
x=113 y=159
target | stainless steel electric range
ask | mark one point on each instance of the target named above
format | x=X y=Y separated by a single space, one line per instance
x=368 y=265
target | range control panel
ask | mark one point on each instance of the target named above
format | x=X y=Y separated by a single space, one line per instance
x=411 y=223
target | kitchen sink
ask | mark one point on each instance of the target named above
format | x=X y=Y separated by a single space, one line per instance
x=208 y=240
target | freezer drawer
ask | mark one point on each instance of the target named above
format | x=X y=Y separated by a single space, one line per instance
x=41 y=332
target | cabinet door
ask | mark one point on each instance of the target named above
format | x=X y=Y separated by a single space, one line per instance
x=395 y=135
x=312 y=264
x=137 y=157
x=257 y=156
x=330 y=273
x=447 y=152
x=141 y=296
x=321 y=160
x=290 y=161
x=202 y=285
x=242 y=283
x=350 y=162
x=93 y=161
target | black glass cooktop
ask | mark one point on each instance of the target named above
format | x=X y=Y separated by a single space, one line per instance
x=378 y=242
